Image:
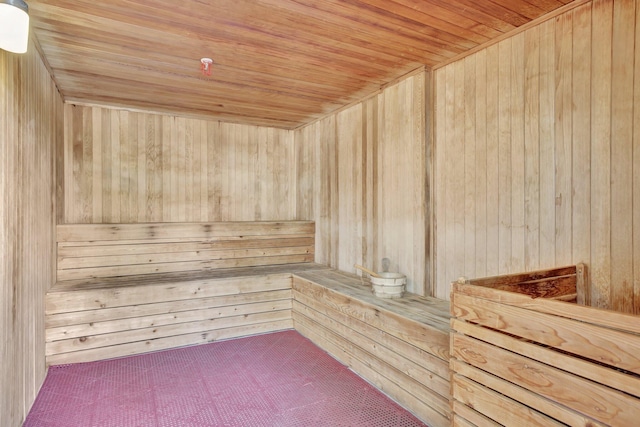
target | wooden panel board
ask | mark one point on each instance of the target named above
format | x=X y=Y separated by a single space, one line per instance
x=429 y=333
x=566 y=85
x=118 y=337
x=368 y=196
x=375 y=337
x=493 y=405
x=109 y=250
x=130 y=167
x=144 y=346
x=95 y=316
x=418 y=365
x=31 y=126
x=61 y=300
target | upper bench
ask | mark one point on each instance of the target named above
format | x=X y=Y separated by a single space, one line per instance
x=94 y=251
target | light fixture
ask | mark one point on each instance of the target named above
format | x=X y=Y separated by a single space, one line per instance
x=205 y=66
x=14 y=25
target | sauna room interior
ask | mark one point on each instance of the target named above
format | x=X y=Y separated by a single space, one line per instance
x=174 y=174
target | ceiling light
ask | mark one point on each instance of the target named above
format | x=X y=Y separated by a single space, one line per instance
x=14 y=25
x=206 y=66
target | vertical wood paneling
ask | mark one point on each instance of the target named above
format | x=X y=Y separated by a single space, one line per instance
x=439 y=170
x=623 y=38
x=132 y=167
x=504 y=156
x=449 y=168
x=480 y=168
x=581 y=150
x=31 y=117
x=532 y=149
x=636 y=170
x=469 y=162
x=561 y=137
x=350 y=184
x=365 y=169
x=547 y=144
x=517 y=153
x=493 y=177
x=563 y=129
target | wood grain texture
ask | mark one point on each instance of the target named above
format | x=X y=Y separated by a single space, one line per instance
x=127 y=167
x=516 y=351
x=88 y=251
x=557 y=160
x=138 y=317
x=30 y=129
x=397 y=345
x=362 y=178
x=276 y=63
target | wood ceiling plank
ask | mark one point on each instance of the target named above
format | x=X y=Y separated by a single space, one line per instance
x=318 y=83
x=226 y=96
x=467 y=9
x=280 y=63
x=522 y=8
x=251 y=32
x=430 y=16
x=146 y=38
x=449 y=16
x=377 y=24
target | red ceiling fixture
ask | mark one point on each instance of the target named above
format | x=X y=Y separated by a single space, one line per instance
x=206 y=66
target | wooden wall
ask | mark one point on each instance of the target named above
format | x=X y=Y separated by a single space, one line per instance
x=537 y=155
x=128 y=167
x=361 y=175
x=30 y=123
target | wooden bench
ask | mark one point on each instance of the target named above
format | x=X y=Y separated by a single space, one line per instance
x=399 y=345
x=131 y=288
x=134 y=288
x=525 y=356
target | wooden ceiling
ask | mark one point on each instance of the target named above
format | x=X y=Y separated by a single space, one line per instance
x=281 y=63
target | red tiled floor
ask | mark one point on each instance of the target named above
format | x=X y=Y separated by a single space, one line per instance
x=279 y=379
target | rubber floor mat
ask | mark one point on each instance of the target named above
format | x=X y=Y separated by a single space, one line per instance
x=278 y=379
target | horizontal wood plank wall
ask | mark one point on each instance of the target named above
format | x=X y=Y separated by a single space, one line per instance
x=88 y=251
x=361 y=177
x=401 y=346
x=129 y=167
x=536 y=159
x=542 y=362
x=31 y=124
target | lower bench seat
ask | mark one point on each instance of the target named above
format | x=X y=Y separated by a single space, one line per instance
x=399 y=345
x=100 y=318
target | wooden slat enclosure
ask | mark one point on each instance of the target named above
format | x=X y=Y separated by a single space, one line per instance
x=536 y=159
x=105 y=250
x=401 y=346
x=31 y=125
x=522 y=360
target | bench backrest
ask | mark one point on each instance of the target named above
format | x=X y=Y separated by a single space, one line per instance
x=105 y=250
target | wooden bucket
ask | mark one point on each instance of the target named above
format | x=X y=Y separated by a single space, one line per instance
x=389 y=285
